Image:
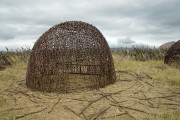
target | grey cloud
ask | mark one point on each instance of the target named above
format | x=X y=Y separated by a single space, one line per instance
x=10 y=32
x=126 y=41
x=157 y=20
x=6 y=32
x=6 y=36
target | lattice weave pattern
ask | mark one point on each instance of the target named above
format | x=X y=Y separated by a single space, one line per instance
x=173 y=55
x=67 y=49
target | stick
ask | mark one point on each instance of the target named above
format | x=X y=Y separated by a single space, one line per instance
x=20 y=108
x=127 y=113
x=69 y=109
x=90 y=104
x=157 y=97
x=101 y=112
x=54 y=105
x=104 y=96
x=130 y=115
x=114 y=115
x=84 y=116
x=21 y=116
x=7 y=88
x=77 y=99
x=130 y=108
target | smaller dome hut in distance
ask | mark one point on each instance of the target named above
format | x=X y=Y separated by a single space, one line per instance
x=172 y=56
x=70 y=56
x=167 y=45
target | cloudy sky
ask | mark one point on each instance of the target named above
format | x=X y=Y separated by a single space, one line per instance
x=122 y=22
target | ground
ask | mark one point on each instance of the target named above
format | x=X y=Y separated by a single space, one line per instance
x=143 y=90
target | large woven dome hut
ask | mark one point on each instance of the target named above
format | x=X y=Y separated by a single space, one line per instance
x=172 y=56
x=70 y=56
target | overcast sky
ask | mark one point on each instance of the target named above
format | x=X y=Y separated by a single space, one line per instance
x=122 y=22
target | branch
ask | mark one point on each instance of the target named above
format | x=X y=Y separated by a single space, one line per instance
x=69 y=109
x=54 y=105
x=130 y=108
x=101 y=112
x=21 y=116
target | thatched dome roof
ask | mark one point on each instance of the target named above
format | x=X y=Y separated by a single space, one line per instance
x=173 y=54
x=65 y=54
x=166 y=45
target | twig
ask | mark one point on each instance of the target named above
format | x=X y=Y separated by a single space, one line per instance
x=126 y=112
x=78 y=99
x=20 y=108
x=148 y=83
x=157 y=97
x=138 y=77
x=20 y=81
x=21 y=116
x=14 y=98
x=89 y=104
x=104 y=96
x=130 y=108
x=101 y=112
x=54 y=105
x=7 y=88
x=108 y=94
x=113 y=100
x=69 y=109
x=170 y=104
x=84 y=116
x=151 y=105
x=126 y=80
x=15 y=91
x=130 y=115
x=172 y=100
x=148 y=76
x=114 y=115
x=176 y=93
x=145 y=104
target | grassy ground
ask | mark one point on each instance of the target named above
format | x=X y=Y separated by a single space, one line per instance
x=13 y=73
x=156 y=69
x=13 y=96
x=8 y=76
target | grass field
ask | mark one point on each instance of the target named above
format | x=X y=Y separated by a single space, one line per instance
x=155 y=68
x=150 y=90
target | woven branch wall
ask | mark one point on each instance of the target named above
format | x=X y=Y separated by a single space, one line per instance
x=70 y=56
x=173 y=55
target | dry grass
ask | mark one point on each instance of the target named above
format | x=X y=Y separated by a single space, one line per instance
x=174 y=115
x=156 y=69
x=8 y=76
x=55 y=106
x=13 y=73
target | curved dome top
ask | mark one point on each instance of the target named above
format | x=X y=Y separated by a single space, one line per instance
x=172 y=56
x=68 y=48
x=174 y=49
x=79 y=33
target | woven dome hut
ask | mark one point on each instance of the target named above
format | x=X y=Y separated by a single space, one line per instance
x=172 y=56
x=68 y=57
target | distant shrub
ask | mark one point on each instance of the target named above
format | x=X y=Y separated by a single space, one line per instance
x=142 y=53
x=10 y=57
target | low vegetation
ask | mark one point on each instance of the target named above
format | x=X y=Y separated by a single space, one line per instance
x=11 y=57
x=142 y=53
x=154 y=68
x=148 y=62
